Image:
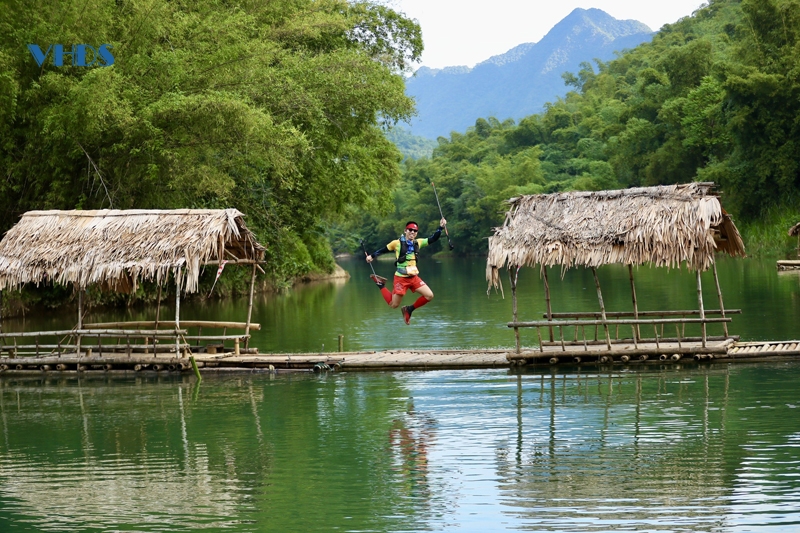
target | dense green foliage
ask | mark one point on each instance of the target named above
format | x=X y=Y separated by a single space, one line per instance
x=714 y=97
x=410 y=145
x=275 y=108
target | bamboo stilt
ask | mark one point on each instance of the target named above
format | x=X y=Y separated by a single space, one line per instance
x=638 y=334
x=158 y=313
x=700 y=303
x=547 y=299
x=513 y=281
x=250 y=308
x=80 y=319
x=602 y=307
x=158 y=305
x=719 y=295
x=177 y=310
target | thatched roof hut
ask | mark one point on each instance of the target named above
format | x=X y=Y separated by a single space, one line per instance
x=664 y=226
x=117 y=248
x=794 y=231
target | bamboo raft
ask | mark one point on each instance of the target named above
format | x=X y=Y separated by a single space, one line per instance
x=716 y=351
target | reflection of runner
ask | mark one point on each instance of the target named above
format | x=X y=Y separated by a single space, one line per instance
x=407 y=274
x=411 y=436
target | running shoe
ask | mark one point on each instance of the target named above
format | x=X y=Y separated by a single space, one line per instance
x=407 y=309
x=379 y=281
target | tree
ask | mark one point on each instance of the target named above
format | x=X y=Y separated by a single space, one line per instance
x=276 y=108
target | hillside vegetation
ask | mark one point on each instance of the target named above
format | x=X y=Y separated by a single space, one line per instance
x=713 y=97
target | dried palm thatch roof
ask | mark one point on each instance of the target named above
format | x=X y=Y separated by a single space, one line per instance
x=664 y=226
x=794 y=230
x=117 y=248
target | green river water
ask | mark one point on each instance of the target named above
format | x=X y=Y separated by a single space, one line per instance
x=679 y=447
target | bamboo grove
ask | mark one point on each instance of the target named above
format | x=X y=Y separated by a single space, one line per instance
x=273 y=108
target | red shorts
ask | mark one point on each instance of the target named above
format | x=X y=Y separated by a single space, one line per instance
x=401 y=284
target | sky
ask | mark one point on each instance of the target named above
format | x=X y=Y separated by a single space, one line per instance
x=466 y=32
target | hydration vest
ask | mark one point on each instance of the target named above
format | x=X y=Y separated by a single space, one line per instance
x=405 y=246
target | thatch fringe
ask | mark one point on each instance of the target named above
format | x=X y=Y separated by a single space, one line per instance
x=117 y=248
x=664 y=226
x=794 y=230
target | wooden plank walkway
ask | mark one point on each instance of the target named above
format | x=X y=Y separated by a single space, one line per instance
x=374 y=360
x=727 y=351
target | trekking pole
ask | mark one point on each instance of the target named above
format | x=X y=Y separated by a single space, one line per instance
x=365 y=255
x=440 y=213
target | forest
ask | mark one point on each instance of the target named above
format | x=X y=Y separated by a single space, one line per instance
x=714 y=97
x=275 y=108
x=287 y=110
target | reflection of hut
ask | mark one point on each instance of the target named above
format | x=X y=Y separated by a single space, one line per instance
x=663 y=226
x=792 y=264
x=116 y=249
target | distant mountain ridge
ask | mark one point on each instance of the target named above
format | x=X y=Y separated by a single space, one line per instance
x=519 y=82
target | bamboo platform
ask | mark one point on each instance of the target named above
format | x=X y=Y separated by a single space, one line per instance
x=788 y=264
x=718 y=351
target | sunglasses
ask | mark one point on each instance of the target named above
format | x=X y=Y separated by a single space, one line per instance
x=414 y=230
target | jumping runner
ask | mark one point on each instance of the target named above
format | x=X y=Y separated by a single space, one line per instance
x=407 y=274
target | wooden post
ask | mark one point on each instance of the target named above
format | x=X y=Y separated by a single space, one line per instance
x=80 y=320
x=547 y=299
x=341 y=343
x=719 y=295
x=158 y=305
x=602 y=306
x=700 y=302
x=513 y=280
x=250 y=308
x=158 y=315
x=636 y=333
x=177 y=310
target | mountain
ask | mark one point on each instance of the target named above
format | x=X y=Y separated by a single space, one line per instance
x=518 y=83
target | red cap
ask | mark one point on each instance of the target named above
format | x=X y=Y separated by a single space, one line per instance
x=411 y=225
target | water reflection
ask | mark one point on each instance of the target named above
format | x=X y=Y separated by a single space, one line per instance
x=410 y=437
x=649 y=452
x=709 y=448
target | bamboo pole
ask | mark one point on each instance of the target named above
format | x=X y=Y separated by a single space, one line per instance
x=602 y=307
x=513 y=281
x=196 y=370
x=719 y=296
x=158 y=305
x=638 y=334
x=171 y=324
x=719 y=352
x=641 y=313
x=158 y=314
x=250 y=307
x=700 y=303
x=136 y=333
x=547 y=299
x=644 y=340
x=559 y=323
x=177 y=309
x=80 y=320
